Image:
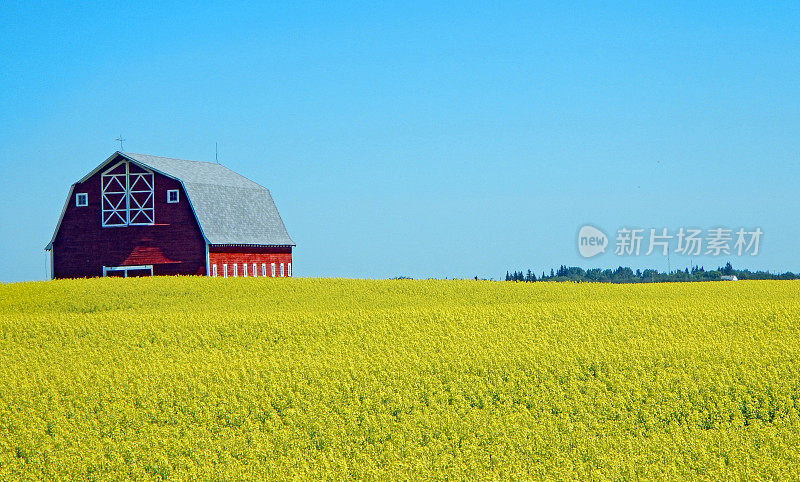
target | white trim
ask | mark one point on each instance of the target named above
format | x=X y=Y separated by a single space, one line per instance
x=235 y=270
x=177 y=196
x=264 y=270
x=244 y=270
x=125 y=269
x=224 y=270
x=255 y=271
x=281 y=270
x=103 y=164
x=272 y=266
x=78 y=197
x=214 y=270
x=289 y=270
x=250 y=245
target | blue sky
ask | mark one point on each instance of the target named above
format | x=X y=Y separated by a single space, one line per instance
x=426 y=139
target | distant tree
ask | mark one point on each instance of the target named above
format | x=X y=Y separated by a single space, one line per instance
x=649 y=275
x=627 y=275
x=623 y=275
x=594 y=274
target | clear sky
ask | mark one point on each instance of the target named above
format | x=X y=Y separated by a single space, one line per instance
x=425 y=139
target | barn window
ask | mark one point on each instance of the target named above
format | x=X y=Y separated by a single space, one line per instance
x=172 y=196
x=281 y=270
x=264 y=269
x=272 y=265
x=255 y=273
x=127 y=195
x=81 y=199
x=224 y=270
x=235 y=270
x=244 y=270
x=289 y=270
x=214 y=270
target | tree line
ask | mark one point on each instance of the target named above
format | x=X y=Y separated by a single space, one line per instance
x=628 y=275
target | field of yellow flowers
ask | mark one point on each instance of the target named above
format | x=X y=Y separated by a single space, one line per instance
x=217 y=378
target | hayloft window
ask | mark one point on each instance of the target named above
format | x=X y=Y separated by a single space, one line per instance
x=81 y=199
x=172 y=196
x=127 y=195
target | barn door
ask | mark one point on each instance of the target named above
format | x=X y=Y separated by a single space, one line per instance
x=128 y=271
x=140 y=195
x=127 y=195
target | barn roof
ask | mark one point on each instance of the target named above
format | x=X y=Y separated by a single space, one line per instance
x=230 y=208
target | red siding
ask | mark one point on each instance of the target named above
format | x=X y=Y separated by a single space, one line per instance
x=174 y=245
x=231 y=255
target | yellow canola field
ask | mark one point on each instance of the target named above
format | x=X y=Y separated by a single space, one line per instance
x=215 y=378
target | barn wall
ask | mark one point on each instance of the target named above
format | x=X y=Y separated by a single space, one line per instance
x=174 y=245
x=230 y=255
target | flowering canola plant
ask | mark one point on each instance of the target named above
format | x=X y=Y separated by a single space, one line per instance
x=212 y=378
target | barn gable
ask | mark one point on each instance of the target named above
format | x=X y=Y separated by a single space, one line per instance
x=229 y=208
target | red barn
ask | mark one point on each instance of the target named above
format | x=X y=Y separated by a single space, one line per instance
x=139 y=215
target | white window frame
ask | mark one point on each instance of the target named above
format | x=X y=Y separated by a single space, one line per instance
x=264 y=270
x=177 y=196
x=255 y=271
x=78 y=197
x=235 y=270
x=272 y=265
x=244 y=270
x=289 y=270
x=125 y=269
x=281 y=270
x=224 y=270
x=214 y=270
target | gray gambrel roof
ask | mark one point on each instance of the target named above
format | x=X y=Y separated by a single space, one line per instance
x=230 y=208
